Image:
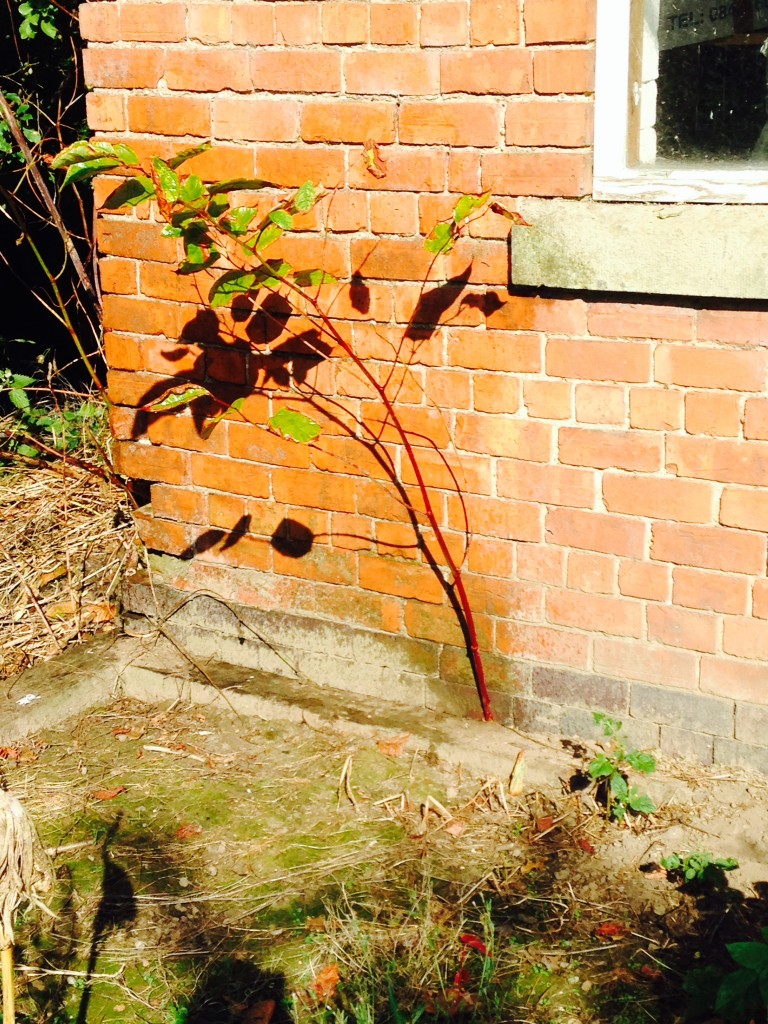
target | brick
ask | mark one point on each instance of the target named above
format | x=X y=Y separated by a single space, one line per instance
x=645 y=580
x=250 y=119
x=451 y=389
x=559 y=21
x=601 y=403
x=495 y=350
x=214 y=70
x=668 y=706
x=152 y=22
x=716 y=415
x=297 y=24
x=473 y=473
x=681 y=743
x=106 y=112
x=494 y=22
x=232 y=477
x=541 y=563
x=481 y=260
x=610 y=449
x=736 y=462
x=655 y=409
x=348 y=211
x=147 y=462
x=632 y=659
x=292 y=167
x=348 y=121
x=394 y=24
x=118 y=276
x=400 y=579
x=562 y=123
x=628 y=362
x=547 y=484
x=680 y=627
x=345 y=24
x=507 y=675
x=595 y=531
x=662 y=498
x=314 y=489
x=504 y=436
x=592 y=573
x=710 y=591
x=756 y=419
x=712 y=368
x=746 y=638
x=122 y=313
x=444 y=23
x=558 y=70
x=98 y=22
x=490 y=517
x=123 y=352
x=534 y=313
x=122 y=68
x=505 y=598
x=162 y=535
x=387 y=73
x=497 y=73
x=491 y=557
x=493 y=392
x=222 y=162
x=180 y=430
x=735 y=678
x=210 y=22
x=280 y=71
x=169 y=115
x=733 y=326
x=708 y=547
x=746 y=509
x=253 y=23
x=463 y=171
x=640 y=320
x=751 y=724
x=450 y=123
x=583 y=690
x=408 y=169
x=252 y=443
x=760 y=599
x=395 y=213
x=543 y=643
x=595 y=613
x=179 y=503
x=428 y=622
x=548 y=399
x=537 y=173
x=390 y=259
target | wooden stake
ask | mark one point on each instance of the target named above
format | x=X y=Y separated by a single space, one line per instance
x=9 y=1004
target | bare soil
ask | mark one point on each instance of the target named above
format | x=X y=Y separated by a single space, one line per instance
x=211 y=868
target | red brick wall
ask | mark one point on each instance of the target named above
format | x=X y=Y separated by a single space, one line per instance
x=614 y=453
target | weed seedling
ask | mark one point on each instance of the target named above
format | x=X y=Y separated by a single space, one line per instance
x=740 y=995
x=609 y=770
x=698 y=868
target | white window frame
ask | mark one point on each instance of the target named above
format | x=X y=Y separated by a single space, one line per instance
x=614 y=178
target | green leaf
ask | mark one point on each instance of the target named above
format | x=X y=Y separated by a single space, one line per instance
x=305 y=198
x=441 y=238
x=641 y=761
x=211 y=423
x=89 y=169
x=239 y=219
x=282 y=218
x=168 y=178
x=240 y=185
x=131 y=193
x=230 y=284
x=187 y=267
x=753 y=955
x=601 y=766
x=126 y=154
x=671 y=863
x=313 y=278
x=640 y=803
x=619 y=786
x=19 y=398
x=295 y=425
x=21 y=380
x=467 y=205
x=72 y=155
x=267 y=236
x=195 y=254
x=187 y=154
x=191 y=189
x=738 y=997
x=27 y=451
x=171 y=231
x=726 y=863
x=175 y=398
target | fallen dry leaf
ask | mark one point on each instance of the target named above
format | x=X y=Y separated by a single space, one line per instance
x=107 y=794
x=457 y=827
x=468 y=939
x=9 y=753
x=545 y=823
x=532 y=865
x=326 y=983
x=612 y=930
x=652 y=973
x=587 y=847
x=188 y=830
x=517 y=778
x=373 y=160
x=393 y=747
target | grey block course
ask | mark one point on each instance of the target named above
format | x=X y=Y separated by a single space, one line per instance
x=698 y=712
x=600 y=693
x=690 y=745
x=752 y=724
x=744 y=754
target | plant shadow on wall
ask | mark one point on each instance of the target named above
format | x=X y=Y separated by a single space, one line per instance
x=272 y=384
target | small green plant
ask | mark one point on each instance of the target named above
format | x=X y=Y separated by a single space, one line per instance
x=698 y=867
x=609 y=770
x=43 y=426
x=738 y=996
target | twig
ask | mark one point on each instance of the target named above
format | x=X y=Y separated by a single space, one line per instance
x=345 y=785
x=31 y=594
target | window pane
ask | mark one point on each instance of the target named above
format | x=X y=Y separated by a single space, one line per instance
x=699 y=82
